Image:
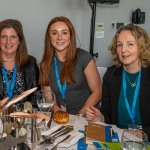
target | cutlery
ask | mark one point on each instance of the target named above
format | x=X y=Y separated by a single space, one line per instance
x=50 y=121
x=48 y=136
x=59 y=132
x=52 y=139
x=55 y=147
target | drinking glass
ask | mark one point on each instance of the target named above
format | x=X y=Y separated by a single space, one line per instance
x=45 y=101
x=134 y=139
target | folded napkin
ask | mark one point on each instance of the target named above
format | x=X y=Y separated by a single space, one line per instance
x=52 y=129
x=75 y=136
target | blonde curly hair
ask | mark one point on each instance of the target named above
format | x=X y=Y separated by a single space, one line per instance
x=143 y=42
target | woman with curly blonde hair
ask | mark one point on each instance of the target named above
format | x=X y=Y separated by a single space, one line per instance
x=126 y=85
x=143 y=41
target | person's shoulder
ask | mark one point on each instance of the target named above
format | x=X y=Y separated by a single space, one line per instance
x=83 y=54
x=31 y=58
x=111 y=68
x=81 y=50
x=83 y=57
x=146 y=69
x=146 y=72
x=114 y=70
x=31 y=62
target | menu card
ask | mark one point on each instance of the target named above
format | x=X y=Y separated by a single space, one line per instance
x=97 y=132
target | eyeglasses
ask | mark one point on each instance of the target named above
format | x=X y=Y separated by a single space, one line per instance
x=11 y=39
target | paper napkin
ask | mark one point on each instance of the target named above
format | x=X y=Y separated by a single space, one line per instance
x=75 y=136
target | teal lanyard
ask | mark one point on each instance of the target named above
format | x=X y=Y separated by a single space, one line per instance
x=62 y=88
x=10 y=87
x=131 y=112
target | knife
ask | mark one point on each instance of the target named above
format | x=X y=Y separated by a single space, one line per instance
x=64 y=131
x=59 y=129
x=59 y=132
x=52 y=139
x=50 y=121
x=49 y=138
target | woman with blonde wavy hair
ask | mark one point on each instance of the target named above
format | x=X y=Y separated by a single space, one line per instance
x=69 y=71
x=126 y=85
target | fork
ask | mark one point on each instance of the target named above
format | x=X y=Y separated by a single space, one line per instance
x=58 y=131
x=48 y=136
x=55 y=147
x=52 y=139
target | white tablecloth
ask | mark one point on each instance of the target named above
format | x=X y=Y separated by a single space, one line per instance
x=79 y=124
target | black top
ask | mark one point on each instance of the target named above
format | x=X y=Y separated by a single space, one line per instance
x=29 y=76
x=112 y=81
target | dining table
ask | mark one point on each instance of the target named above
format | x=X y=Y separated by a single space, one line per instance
x=79 y=124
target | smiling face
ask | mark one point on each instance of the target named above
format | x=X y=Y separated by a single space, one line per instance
x=127 y=50
x=59 y=36
x=9 y=42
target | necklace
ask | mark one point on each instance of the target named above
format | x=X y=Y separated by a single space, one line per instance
x=134 y=83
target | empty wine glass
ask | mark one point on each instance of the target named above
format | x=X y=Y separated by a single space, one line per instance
x=134 y=139
x=45 y=101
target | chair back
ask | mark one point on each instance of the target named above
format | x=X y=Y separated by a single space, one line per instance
x=102 y=71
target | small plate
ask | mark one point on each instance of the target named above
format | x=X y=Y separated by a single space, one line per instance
x=72 y=119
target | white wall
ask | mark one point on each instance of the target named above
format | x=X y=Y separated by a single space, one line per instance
x=36 y=14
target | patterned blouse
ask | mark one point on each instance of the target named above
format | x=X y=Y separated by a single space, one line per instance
x=19 y=86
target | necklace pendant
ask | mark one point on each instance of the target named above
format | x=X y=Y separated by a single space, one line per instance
x=133 y=85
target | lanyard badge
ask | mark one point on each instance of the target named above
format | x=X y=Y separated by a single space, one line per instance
x=62 y=88
x=131 y=112
x=10 y=86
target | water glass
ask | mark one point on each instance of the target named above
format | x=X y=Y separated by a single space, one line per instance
x=45 y=101
x=134 y=139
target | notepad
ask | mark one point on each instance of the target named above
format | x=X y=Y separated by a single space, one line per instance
x=97 y=132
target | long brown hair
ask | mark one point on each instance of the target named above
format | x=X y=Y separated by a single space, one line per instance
x=21 y=54
x=49 y=50
x=142 y=39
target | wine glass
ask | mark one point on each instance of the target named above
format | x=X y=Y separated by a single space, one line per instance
x=45 y=101
x=134 y=139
